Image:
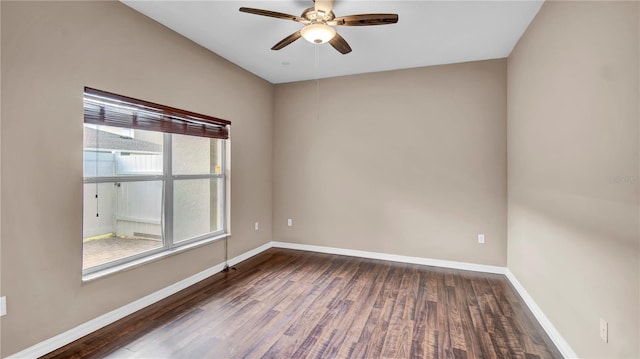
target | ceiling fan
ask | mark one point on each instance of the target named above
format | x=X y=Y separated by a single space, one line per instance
x=318 y=24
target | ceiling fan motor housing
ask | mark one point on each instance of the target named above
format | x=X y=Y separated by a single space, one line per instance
x=312 y=15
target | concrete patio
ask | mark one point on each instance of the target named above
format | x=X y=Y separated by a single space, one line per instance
x=99 y=251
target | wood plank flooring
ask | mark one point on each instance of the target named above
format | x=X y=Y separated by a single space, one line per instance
x=295 y=304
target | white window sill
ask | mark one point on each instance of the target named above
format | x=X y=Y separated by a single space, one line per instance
x=152 y=258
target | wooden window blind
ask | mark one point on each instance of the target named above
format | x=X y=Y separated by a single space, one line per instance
x=109 y=109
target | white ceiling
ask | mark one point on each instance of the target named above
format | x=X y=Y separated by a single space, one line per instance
x=427 y=33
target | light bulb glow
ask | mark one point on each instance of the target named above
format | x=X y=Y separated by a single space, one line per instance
x=318 y=33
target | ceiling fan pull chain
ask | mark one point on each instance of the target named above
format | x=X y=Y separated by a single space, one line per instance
x=317 y=65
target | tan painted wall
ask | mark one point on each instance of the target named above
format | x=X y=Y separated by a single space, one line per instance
x=573 y=166
x=409 y=162
x=51 y=50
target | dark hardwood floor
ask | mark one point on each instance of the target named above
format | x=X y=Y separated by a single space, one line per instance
x=295 y=304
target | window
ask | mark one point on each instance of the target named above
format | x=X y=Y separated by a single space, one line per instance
x=154 y=180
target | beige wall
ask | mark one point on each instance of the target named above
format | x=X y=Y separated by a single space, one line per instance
x=51 y=50
x=409 y=162
x=573 y=166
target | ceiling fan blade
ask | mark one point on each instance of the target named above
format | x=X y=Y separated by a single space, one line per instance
x=324 y=5
x=287 y=40
x=366 y=19
x=340 y=44
x=277 y=15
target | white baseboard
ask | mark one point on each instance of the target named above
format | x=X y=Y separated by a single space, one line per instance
x=91 y=326
x=80 y=331
x=248 y=254
x=546 y=324
x=393 y=257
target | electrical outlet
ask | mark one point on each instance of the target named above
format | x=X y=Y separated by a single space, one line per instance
x=481 y=238
x=290 y=222
x=604 y=330
x=257 y=226
x=3 y=306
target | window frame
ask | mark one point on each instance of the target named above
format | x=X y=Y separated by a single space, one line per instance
x=169 y=245
x=169 y=193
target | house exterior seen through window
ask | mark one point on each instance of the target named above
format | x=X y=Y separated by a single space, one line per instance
x=148 y=192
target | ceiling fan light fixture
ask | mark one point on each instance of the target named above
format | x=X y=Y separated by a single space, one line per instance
x=318 y=33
